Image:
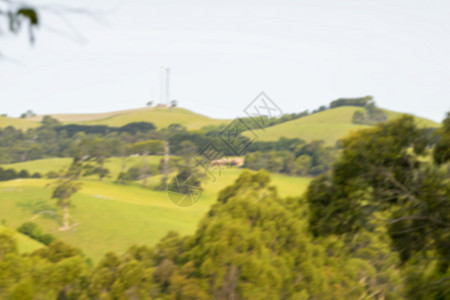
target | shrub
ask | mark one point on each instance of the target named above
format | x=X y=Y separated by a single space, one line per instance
x=23 y=174
x=36 y=175
x=52 y=175
x=35 y=232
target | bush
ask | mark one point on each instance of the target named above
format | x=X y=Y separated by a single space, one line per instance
x=132 y=174
x=35 y=232
x=36 y=175
x=46 y=239
x=30 y=229
x=52 y=175
x=7 y=174
x=23 y=174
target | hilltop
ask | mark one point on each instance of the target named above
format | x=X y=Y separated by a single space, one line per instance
x=18 y=123
x=159 y=116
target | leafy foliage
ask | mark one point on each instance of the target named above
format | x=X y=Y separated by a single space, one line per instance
x=303 y=159
x=35 y=232
x=371 y=116
x=17 y=14
x=383 y=175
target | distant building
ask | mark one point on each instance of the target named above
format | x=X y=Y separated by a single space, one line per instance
x=238 y=162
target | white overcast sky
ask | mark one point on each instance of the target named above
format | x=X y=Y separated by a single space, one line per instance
x=223 y=53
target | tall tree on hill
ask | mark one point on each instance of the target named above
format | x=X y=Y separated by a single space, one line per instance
x=165 y=166
x=99 y=150
x=145 y=148
x=67 y=185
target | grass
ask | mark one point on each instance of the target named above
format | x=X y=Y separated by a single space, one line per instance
x=329 y=126
x=17 y=123
x=421 y=122
x=160 y=116
x=112 y=217
x=25 y=244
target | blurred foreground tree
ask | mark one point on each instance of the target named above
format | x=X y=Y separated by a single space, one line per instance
x=386 y=177
x=16 y=15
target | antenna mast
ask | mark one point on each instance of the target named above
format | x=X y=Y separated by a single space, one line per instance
x=161 y=85
x=167 y=86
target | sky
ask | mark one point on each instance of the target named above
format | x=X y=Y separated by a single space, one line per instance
x=222 y=54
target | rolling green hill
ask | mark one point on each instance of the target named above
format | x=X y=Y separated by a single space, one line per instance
x=329 y=126
x=25 y=243
x=160 y=116
x=110 y=216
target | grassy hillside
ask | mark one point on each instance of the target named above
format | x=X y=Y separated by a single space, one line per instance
x=110 y=216
x=18 y=123
x=24 y=243
x=329 y=126
x=161 y=117
x=72 y=118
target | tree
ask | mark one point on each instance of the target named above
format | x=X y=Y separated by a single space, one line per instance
x=383 y=174
x=165 y=167
x=358 y=117
x=28 y=113
x=188 y=151
x=441 y=153
x=49 y=122
x=363 y=101
x=252 y=244
x=145 y=148
x=99 y=150
x=303 y=163
x=34 y=231
x=67 y=185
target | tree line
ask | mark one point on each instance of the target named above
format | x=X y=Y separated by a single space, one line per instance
x=292 y=157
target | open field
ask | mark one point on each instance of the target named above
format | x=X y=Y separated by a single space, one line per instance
x=329 y=126
x=110 y=216
x=24 y=243
x=17 y=123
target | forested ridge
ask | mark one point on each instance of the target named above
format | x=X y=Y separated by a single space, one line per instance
x=374 y=227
